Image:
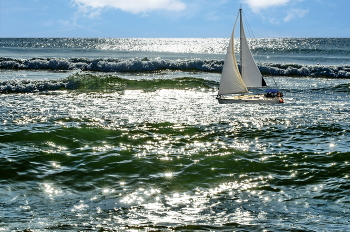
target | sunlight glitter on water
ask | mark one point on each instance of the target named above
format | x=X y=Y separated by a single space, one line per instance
x=50 y=189
x=175 y=45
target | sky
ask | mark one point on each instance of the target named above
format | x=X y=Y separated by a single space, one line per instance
x=172 y=18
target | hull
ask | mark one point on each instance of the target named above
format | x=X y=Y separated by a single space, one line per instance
x=249 y=99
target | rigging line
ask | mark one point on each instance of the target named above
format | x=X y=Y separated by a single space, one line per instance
x=0 y=15
x=234 y=27
x=252 y=36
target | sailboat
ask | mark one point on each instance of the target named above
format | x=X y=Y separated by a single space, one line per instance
x=235 y=81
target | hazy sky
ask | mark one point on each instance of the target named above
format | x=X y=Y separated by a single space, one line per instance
x=172 y=18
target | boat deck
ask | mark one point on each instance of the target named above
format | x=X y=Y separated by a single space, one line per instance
x=249 y=99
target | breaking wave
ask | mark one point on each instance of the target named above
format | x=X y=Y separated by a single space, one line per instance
x=103 y=83
x=111 y=65
x=306 y=70
x=145 y=64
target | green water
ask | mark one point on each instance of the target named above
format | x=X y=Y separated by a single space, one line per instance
x=162 y=155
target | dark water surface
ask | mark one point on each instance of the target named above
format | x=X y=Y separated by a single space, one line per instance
x=154 y=151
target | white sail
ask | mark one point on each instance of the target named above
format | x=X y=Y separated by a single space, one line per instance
x=250 y=72
x=231 y=81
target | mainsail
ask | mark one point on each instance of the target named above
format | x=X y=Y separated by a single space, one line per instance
x=232 y=80
x=249 y=70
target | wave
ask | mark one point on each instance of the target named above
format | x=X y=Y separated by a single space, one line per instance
x=145 y=64
x=306 y=70
x=90 y=137
x=111 y=65
x=341 y=88
x=102 y=83
x=30 y=86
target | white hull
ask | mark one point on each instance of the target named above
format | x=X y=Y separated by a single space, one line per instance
x=249 y=99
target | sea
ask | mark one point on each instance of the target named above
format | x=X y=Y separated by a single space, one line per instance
x=126 y=134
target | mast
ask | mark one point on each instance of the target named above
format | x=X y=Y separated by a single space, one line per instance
x=241 y=30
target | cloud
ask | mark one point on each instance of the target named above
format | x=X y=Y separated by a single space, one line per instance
x=274 y=16
x=133 y=6
x=257 y=5
x=274 y=21
x=295 y=13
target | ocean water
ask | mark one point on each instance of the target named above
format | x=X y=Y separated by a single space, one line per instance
x=126 y=135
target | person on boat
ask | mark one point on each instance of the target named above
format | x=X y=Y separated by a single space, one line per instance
x=269 y=95
x=219 y=95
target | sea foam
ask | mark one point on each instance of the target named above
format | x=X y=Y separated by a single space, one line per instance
x=145 y=64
